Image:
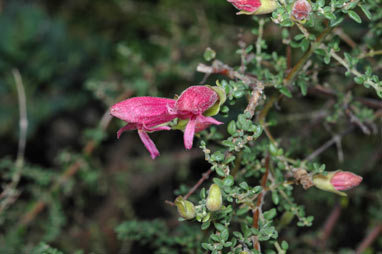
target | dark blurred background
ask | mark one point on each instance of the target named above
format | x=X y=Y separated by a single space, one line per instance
x=78 y=182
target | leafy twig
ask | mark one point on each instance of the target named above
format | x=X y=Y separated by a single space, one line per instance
x=295 y=70
x=196 y=186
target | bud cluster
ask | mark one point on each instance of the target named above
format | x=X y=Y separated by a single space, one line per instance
x=187 y=210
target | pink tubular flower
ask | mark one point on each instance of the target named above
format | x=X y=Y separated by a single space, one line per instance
x=301 y=9
x=190 y=105
x=249 y=6
x=254 y=7
x=145 y=114
x=344 y=180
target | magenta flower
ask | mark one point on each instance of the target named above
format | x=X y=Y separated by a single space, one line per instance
x=254 y=7
x=246 y=5
x=190 y=105
x=344 y=180
x=146 y=114
x=301 y=9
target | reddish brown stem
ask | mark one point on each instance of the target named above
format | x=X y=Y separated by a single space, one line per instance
x=369 y=239
x=329 y=225
x=257 y=211
x=196 y=186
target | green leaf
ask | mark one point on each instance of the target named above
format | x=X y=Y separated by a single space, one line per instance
x=228 y=181
x=330 y=16
x=299 y=37
x=275 y=197
x=244 y=185
x=359 y=80
x=205 y=225
x=270 y=214
x=304 y=44
x=224 y=234
x=284 y=245
x=242 y=211
x=217 y=156
x=209 y=54
x=336 y=22
x=220 y=172
x=285 y=92
x=355 y=16
x=219 y=227
x=207 y=246
x=366 y=11
x=231 y=128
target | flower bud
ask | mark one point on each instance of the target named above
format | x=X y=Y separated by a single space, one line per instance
x=301 y=9
x=344 y=180
x=336 y=181
x=254 y=7
x=186 y=209
x=214 y=199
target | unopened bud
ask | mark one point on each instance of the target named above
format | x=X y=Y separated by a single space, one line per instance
x=186 y=209
x=214 y=199
x=337 y=181
x=301 y=9
x=344 y=180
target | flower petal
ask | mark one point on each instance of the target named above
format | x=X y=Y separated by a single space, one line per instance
x=195 y=100
x=149 y=144
x=127 y=127
x=246 y=5
x=157 y=128
x=345 y=180
x=208 y=120
x=189 y=133
x=150 y=111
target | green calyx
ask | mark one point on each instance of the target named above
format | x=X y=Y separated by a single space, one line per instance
x=323 y=182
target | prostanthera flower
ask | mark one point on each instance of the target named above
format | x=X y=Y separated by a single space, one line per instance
x=146 y=114
x=191 y=105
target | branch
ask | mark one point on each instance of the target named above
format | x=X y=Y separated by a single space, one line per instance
x=327 y=144
x=295 y=70
x=219 y=67
x=196 y=186
x=329 y=225
x=369 y=239
x=256 y=213
x=10 y=193
x=354 y=71
x=23 y=122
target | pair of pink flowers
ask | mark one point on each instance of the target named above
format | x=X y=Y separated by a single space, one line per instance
x=149 y=114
